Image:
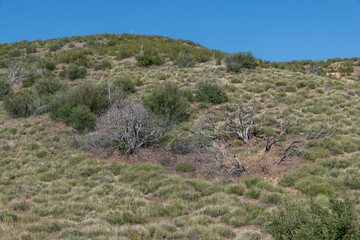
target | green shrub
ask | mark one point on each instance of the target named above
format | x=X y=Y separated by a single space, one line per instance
x=76 y=72
x=31 y=49
x=169 y=101
x=295 y=220
x=184 y=167
x=106 y=64
x=315 y=153
x=253 y=193
x=30 y=80
x=16 y=52
x=148 y=60
x=50 y=66
x=92 y=96
x=238 y=61
x=236 y=189
x=48 y=86
x=81 y=118
x=210 y=92
x=328 y=143
x=125 y=84
x=55 y=46
x=65 y=105
x=19 y=104
x=185 y=60
x=5 y=88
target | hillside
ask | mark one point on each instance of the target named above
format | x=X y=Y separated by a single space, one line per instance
x=65 y=176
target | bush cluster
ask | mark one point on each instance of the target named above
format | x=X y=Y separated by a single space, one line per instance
x=295 y=220
x=149 y=60
x=210 y=92
x=185 y=60
x=5 y=88
x=169 y=101
x=238 y=61
x=76 y=72
x=18 y=104
x=79 y=106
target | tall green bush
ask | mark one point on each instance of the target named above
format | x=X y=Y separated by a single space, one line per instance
x=185 y=60
x=79 y=106
x=210 y=92
x=76 y=72
x=19 y=104
x=168 y=100
x=5 y=88
x=238 y=61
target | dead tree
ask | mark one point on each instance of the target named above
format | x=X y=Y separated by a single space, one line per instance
x=240 y=124
x=322 y=131
x=130 y=125
x=273 y=138
x=237 y=125
x=208 y=129
x=220 y=162
x=18 y=73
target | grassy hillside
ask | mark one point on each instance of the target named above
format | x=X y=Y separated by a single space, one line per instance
x=61 y=179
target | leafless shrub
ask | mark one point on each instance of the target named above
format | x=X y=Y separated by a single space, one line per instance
x=128 y=126
x=17 y=72
x=237 y=125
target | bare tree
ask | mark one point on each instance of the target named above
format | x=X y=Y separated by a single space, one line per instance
x=18 y=73
x=273 y=138
x=237 y=125
x=322 y=131
x=129 y=126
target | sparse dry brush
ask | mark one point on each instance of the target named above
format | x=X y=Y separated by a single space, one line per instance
x=252 y=118
x=128 y=126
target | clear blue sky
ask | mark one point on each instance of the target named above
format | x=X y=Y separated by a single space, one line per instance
x=275 y=30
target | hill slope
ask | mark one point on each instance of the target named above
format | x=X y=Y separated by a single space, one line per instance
x=54 y=183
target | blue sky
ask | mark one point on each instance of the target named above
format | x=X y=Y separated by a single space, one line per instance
x=276 y=30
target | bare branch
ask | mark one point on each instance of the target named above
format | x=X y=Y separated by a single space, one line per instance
x=129 y=126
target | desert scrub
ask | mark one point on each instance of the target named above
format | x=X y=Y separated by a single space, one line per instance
x=210 y=92
x=184 y=167
x=5 y=88
x=168 y=101
x=185 y=60
x=238 y=61
x=75 y=72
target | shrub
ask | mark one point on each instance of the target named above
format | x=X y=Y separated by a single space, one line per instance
x=238 y=61
x=106 y=64
x=129 y=126
x=253 y=193
x=92 y=96
x=328 y=143
x=63 y=104
x=81 y=118
x=50 y=66
x=315 y=153
x=293 y=220
x=210 y=92
x=48 y=86
x=185 y=60
x=76 y=72
x=30 y=80
x=19 y=104
x=16 y=53
x=55 y=46
x=5 y=88
x=148 y=60
x=31 y=49
x=168 y=101
x=184 y=167
x=125 y=84
x=236 y=189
